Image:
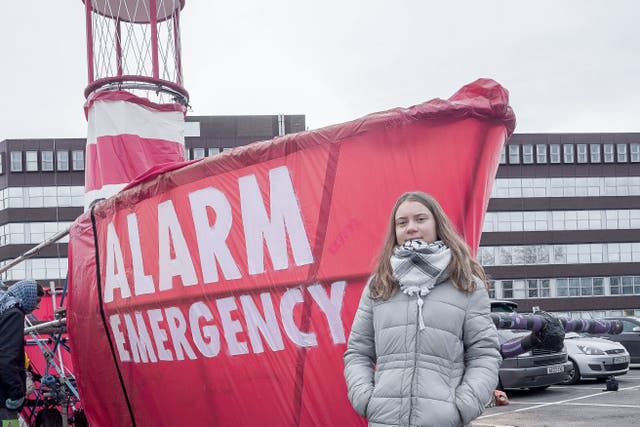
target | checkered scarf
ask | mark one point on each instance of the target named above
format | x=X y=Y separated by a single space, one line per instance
x=23 y=293
x=419 y=266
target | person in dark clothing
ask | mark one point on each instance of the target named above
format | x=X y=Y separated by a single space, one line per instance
x=19 y=300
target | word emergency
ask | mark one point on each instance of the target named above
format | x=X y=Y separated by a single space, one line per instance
x=175 y=333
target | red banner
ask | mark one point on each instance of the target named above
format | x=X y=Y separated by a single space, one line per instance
x=222 y=292
x=126 y=136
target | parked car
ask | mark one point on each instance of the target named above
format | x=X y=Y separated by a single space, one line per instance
x=594 y=357
x=630 y=336
x=535 y=370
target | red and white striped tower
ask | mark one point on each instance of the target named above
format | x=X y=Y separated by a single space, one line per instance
x=135 y=99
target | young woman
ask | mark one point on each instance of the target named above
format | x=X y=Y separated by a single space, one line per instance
x=423 y=350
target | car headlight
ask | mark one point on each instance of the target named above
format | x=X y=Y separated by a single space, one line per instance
x=589 y=350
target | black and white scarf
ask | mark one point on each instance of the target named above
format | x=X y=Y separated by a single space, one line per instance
x=418 y=266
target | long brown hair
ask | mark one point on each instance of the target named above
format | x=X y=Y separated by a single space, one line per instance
x=463 y=268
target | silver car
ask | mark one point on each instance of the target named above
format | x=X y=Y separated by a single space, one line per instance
x=594 y=357
x=629 y=338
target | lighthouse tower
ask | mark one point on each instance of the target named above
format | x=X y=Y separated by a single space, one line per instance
x=135 y=96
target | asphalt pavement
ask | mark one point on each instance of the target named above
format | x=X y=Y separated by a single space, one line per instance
x=584 y=404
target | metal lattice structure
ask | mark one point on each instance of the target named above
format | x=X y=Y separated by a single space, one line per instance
x=135 y=45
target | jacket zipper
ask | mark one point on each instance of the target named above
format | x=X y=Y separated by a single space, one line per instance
x=415 y=366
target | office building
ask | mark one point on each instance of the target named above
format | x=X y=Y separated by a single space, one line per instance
x=562 y=231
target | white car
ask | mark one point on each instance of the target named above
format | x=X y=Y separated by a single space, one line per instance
x=594 y=357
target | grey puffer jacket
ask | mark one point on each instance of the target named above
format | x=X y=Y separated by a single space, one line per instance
x=443 y=375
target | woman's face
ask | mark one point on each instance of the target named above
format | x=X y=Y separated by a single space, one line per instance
x=414 y=221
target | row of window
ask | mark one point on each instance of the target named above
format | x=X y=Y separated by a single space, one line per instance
x=17 y=233
x=503 y=188
x=42 y=197
x=199 y=152
x=559 y=254
x=570 y=153
x=622 y=219
x=566 y=287
x=34 y=161
x=37 y=268
x=599 y=314
x=566 y=187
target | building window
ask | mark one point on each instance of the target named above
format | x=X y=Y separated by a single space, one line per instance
x=608 y=153
x=595 y=153
x=568 y=152
x=519 y=289
x=514 y=154
x=39 y=269
x=598 y=286
x=635 y=153
x=625 y=285
x=46 y=158
x=198 y=153
x=541 y=153
x=16 y=161
x=187 y=154
x=538 y=288
x=527 y=154
x=555 y=153
x=1 y=163
x=31 y=232
x=77 y=157
x=507 y=289
x=582 y=153
x=487 y=256
x=622 y=153
x=562 y=287
x=31 y=163
x=62 y=158
x=37 y=197
x=492 y=289
x=574 y=287
x=212 y=151
x=532 y=288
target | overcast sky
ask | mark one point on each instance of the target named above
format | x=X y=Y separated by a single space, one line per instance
x=570 y=66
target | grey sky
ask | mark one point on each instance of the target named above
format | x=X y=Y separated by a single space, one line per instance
x=570 y=66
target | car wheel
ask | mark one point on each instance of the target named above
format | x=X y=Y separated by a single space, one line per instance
x=574 y=377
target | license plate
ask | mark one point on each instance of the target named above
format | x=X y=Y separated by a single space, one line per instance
x=620 y=359
x=555 y=369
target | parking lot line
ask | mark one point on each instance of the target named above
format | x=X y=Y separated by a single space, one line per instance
x=577 y=387
x=542 y=405
x=608 y=405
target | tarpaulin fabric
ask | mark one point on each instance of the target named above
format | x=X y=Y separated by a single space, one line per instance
x=126 y=136
x=223 y=292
